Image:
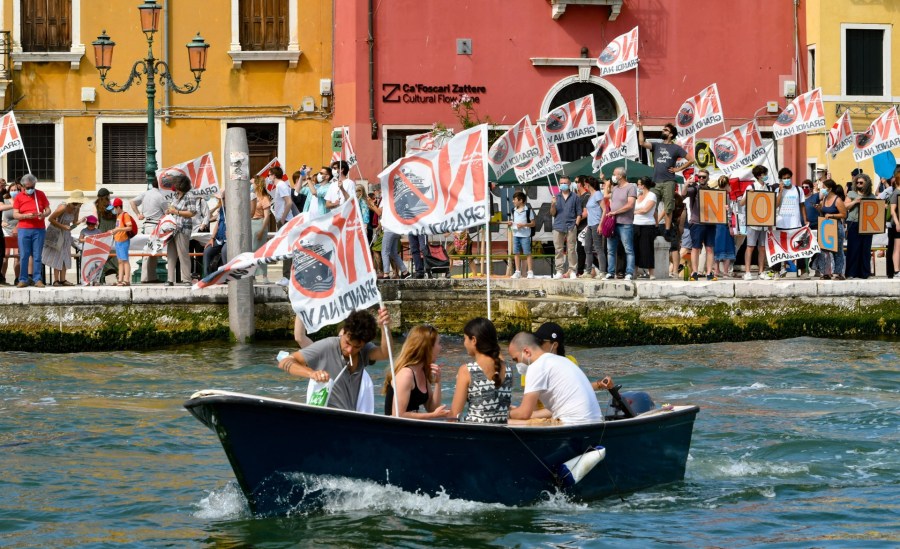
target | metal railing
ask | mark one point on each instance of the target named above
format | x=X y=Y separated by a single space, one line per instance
x=5 y=55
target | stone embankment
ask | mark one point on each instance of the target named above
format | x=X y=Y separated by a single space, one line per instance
x=595 y=313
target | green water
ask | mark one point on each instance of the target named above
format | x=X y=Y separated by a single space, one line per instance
x=796 y=445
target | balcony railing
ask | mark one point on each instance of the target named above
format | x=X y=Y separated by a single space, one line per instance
x=5 y=51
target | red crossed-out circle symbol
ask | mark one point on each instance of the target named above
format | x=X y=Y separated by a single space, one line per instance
x=865 y=139
x=313 y=274
x=557 y=120
x=406 y=199
x=725 y=150
x=787 y=116
x=609 y=55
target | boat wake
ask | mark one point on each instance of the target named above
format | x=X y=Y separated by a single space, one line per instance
x=340 y=495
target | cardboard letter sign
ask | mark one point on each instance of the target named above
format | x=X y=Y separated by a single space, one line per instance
x=713 y=206
x=871 y=216
x=760 y=209
x=828 y=234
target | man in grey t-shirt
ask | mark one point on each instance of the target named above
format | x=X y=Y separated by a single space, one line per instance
x=153 y=206
x=665 y=156
x=342 y=358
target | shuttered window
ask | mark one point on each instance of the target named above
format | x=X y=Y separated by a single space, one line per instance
x=40 y=145
x=124 y=153
x=264 y=25
x=865 y=61
x=46 y=25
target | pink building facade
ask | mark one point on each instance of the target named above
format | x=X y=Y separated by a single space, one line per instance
x=525 y=57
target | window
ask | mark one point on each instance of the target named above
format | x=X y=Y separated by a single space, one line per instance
x=46 y=25
x=264 y=25
x=395 y=143
x=40 y=146
x=811 y=79
x=262 y=142
x=866 y=61
x=124 y=153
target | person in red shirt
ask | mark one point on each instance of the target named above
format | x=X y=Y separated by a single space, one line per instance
x=30 y=208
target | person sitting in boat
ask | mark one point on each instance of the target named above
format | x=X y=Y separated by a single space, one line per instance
x=417 y=378
x=555 y=381
x=553 y=340
x=486 y=382
x=344 y=359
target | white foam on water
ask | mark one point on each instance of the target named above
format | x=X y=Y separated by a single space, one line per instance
x=224 y=504
x=746 y=468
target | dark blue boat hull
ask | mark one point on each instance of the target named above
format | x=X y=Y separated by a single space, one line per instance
x=269 y=442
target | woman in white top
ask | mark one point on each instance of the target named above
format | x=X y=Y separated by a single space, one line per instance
x=645 y=227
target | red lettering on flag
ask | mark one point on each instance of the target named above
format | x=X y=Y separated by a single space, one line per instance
x=806 y=110
x=472 y=163
x=707 y=103
x=629 y=45
x=205 y=172
x=8 y=126
x=747 y=141
x=884 y=127
x=581 y=109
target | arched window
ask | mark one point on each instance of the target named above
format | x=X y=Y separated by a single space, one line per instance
x=604 y=104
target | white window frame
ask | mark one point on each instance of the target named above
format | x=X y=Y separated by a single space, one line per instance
x=618 y=98
x=811 y=72
x=58 y=154
x=291 y=54
x=122 y=190
x=886 y=74
x=391 y=127
x=73 y=56
x=282 y=139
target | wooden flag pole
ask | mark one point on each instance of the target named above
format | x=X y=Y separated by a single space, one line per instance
x=487 y=227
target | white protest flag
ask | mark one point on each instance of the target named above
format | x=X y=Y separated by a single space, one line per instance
x=738 y=148
x=264 y=173
x=790 y=244
x=428 y=141
x=883 y=135
x=201 y=171
x=840 y=136
x=574 y=120
x=333 y=274
x=619 y=142
x=10 y=138
x=514 y=147
x=620 y=55
x=688 y=143
x=161 y=234
x=439 y=191
x=94 y=255
x=347 y=152
x=803 y=114
x=746 y=173
x=546 y=163
x=701 y=111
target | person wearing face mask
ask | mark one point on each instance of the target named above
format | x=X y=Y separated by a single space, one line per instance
x=342 y=188
x=702 y=235
x=4 y=207
x=756 y=236
x=665 y=158
x=566 y=211
x=184 y=208
x=9 y=225
x=555 y=381
x=859 y=247
x=789 y=207
x=30 y=208
x=832 y=207
x=621 y=206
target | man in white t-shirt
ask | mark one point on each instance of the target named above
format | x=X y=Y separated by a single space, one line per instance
x=282 y=210
x=789 y=207
x=564 y=390
x=342 y=188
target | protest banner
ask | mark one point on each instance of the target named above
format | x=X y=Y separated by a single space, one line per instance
x=701 y=111
x=620 y=55
x=871 y=216
x=264 y=173
x=10 y=138
x=828 y=234
x=94 y=254
x=547 y=162
x=574 y=120
x=883 y=135
x=803 y=114
x=439 y=191
x=713 y=206
x=617 y=143
x=840 y=136
x=164 y=230
x=428 y=141
x=340 y=137
x=514 y=147
x=760 y=209
x=738 y=148
x=790 y=244
x=201 y=171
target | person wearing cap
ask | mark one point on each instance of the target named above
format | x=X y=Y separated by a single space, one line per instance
x=553 y=340
x=554 y=381
x=125 y=226
x=31 y=208
x=58 y=241
x=153 y=204
x=107 y=223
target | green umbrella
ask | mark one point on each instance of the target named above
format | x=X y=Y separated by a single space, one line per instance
x=582 y=166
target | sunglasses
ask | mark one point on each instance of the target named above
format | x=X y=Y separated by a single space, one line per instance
x=702 y=177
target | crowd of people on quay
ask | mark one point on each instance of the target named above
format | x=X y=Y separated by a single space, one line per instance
x=603 y=228
x=555 y=388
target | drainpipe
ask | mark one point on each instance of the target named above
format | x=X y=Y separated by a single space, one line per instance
x=371 y=42
x=799 y=162
x=167 y=93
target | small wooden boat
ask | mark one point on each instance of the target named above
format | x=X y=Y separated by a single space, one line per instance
x=270 y=441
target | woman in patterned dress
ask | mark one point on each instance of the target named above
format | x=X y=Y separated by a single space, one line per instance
x=58 y=244
x=486 y=382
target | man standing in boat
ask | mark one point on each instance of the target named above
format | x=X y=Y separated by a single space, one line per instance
x=556 y=381
x=344 y=358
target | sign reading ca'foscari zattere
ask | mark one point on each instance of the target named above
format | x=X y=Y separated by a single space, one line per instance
x=430 y=93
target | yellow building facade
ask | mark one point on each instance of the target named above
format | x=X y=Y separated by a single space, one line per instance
x=852 y=56
x=269 y=69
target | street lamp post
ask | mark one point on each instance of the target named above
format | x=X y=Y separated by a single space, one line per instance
x=150 y=68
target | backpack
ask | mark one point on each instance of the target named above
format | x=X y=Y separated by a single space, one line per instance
x=528 y=217
x=134 y=230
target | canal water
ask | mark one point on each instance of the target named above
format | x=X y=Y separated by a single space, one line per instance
x=797 y=444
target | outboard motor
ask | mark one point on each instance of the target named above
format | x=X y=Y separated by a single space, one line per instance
x=628 y=404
